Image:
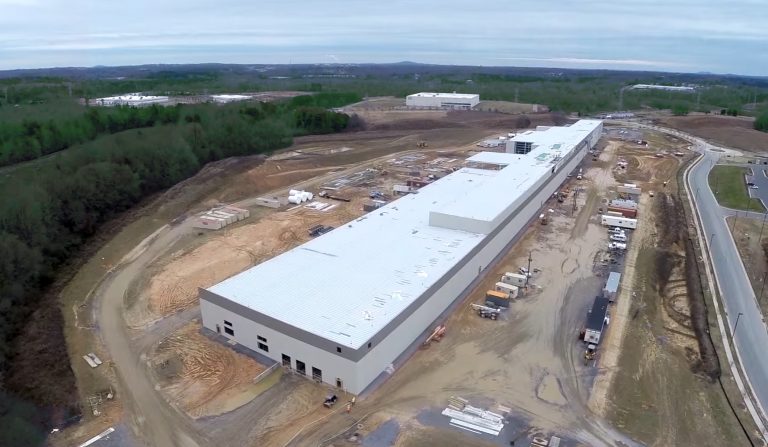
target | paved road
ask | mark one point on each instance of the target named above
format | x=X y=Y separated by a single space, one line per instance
x=751 y=336
x=743 y=315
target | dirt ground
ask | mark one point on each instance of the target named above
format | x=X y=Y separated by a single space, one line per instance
x=511 y=107
x=736 y=132
x=752 y=241
x=529 y=361
x=658 y=381
x=202 y=377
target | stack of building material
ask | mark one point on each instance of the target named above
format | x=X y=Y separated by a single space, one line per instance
x=271 y=202
x=474 y=419
x=220 y=217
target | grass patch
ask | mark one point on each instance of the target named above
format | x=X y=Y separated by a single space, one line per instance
x=730 y=188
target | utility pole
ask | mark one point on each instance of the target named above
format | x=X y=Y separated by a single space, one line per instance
x=528 y=273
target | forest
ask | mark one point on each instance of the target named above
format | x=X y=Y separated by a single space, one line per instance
x=53 y=205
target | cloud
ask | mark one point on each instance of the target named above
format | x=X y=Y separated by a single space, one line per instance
x=599 y=62
x=640 y=34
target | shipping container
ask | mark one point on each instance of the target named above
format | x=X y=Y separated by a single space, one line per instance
x=497 y=298
x=626 y=212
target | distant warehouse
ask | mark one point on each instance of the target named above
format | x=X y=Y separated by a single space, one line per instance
x=344 y=307
x=442 y=100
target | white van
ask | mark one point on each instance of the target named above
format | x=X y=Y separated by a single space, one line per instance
x=619 y=238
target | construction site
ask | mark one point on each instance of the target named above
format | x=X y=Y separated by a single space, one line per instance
x=528 y=350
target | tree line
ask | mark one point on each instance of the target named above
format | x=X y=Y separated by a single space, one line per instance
x=52 y=207
x=31 y=138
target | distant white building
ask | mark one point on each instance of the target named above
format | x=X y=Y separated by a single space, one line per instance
x=222 y=99
x=669 y=88
x=442 y=100
x=130 y=99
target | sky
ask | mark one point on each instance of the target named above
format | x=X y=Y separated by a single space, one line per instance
x=673 y=35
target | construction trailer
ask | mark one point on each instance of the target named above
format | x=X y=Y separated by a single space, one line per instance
x=611 y=289
x=510 y=290
x=597 y=319
x=514 y=279
x=618 y=221
x=412 y=259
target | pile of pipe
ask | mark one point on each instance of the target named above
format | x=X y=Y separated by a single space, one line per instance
x=297 y=196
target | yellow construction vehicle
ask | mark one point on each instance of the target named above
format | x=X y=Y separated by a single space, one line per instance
x=589 y=354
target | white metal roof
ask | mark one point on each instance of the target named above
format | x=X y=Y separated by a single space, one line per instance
x=348 y=284
x=446 y=95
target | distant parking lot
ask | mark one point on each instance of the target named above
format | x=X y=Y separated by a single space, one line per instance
x=760 y=181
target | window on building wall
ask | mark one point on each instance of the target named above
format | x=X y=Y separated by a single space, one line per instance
x=338 y=349
x=263 y=347
x=229 y=331
x=261 y=338
x=317 y=374
x=369 y=345
x=301 y=368
x=227 y=323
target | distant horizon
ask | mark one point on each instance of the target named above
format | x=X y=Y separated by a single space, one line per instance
x=400 y=62
x=678 y=36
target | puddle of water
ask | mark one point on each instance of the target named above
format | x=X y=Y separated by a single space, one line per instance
x=385 y=435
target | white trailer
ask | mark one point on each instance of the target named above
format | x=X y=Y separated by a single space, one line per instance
x=616 y=221
x=514 y=279
x=510 y=290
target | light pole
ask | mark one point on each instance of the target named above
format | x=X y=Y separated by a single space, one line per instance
x=760 y=239
x=760 y=300
x=711 y=238
x=735 y=326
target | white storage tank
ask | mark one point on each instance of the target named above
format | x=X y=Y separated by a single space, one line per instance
x=294 y=199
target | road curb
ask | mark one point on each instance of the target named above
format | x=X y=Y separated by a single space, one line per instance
x=726 y=340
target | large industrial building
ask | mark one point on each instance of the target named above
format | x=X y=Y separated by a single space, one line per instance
x=131 y=99
x=344 y=307
x=442 y=100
